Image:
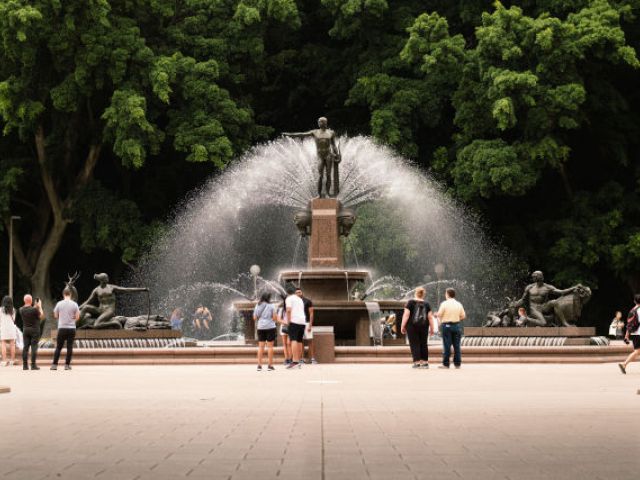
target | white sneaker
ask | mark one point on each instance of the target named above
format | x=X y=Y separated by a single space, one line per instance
x=11 y=363
x=314 y=361
x=6 y=364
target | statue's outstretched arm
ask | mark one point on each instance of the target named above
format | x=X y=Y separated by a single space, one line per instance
x=560 y=293
x=298 y=134
x=129 y=289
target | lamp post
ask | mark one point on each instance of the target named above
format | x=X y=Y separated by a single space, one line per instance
x=439 y=269
x=254 y=270
x=13 y=217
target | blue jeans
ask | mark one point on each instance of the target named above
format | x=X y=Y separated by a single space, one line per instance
x=451 y=335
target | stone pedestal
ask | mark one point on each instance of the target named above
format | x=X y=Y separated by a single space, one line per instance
x=324 y=344
x=325 y=249
x=362 y=331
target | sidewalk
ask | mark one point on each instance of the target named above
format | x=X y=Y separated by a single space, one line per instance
x=321 y=422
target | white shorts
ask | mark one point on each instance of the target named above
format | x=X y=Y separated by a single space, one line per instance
x=308 y=335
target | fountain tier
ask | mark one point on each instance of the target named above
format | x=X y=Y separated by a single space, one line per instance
x=330 y=287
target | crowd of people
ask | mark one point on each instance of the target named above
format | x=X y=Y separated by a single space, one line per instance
x=67 y=314
x=295 y=317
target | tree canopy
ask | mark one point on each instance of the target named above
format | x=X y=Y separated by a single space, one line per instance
x=529 y=112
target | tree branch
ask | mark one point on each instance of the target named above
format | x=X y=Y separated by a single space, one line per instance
x=89 y=165
x=47 y=179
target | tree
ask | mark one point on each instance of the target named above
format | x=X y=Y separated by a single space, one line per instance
x=84 y=81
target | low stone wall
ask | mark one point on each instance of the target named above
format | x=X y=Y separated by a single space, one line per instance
x=89 y=334
x=530 y=331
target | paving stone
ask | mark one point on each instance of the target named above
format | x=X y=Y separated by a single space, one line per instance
x=506 y=422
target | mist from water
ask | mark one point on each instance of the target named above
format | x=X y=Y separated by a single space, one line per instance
x=245 y=216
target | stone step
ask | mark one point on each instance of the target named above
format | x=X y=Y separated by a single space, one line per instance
x=395 y=354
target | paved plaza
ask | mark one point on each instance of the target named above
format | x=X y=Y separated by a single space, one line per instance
x=321 y=422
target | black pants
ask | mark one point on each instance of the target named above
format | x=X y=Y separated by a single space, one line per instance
x=418 y=342
x=31 y=338
x=64 y=335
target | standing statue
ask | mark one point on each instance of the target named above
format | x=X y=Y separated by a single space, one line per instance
x=105 y=312
x=548 y=305
x=328 y=155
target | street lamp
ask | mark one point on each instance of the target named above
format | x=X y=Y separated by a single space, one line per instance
x=254 y=270
x=13 y=217
x=439 y=269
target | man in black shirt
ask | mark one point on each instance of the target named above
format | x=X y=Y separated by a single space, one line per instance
x=31 y=316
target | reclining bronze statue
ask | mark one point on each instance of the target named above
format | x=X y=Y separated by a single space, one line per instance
x=545 y=305
x=103 y=315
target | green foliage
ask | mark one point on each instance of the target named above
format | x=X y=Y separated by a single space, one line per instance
x=110 y=223
x=379 y=238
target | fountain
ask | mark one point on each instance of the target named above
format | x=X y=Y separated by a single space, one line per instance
x=263 y=210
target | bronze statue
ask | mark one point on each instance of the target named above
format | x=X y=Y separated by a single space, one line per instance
x=103 y=315
x=546 y=304
x=328 y=156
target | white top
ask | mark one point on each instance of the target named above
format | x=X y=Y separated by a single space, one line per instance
x=7 y=325
x=296 y=305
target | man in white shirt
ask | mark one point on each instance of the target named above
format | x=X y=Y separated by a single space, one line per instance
x=450 y=314
x=297 y=324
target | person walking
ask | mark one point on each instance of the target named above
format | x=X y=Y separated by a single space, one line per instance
x=67 y=313
x=284 y=333
x=632 y=333
x=417 y=321
x=308 y=331
x=264 y=314
x=31 y=315
x=297 y=324
x=8 y=330
x=450 y=314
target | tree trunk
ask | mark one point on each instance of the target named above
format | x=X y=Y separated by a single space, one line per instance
x=46 y=240
x=40 y=280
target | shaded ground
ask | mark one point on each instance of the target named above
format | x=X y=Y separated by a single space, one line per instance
x=321 y=422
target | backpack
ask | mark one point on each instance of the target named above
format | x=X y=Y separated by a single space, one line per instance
x=419 y=313
x=632 y=320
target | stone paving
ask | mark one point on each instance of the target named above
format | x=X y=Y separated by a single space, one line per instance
x=321 y=422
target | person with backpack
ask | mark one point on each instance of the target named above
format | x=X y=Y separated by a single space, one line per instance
x=633 y=333
x=417 y=313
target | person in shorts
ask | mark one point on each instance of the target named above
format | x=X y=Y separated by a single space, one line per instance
x=297 y=325
x=634 y=336
x=264 y=314
x=308 y=331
